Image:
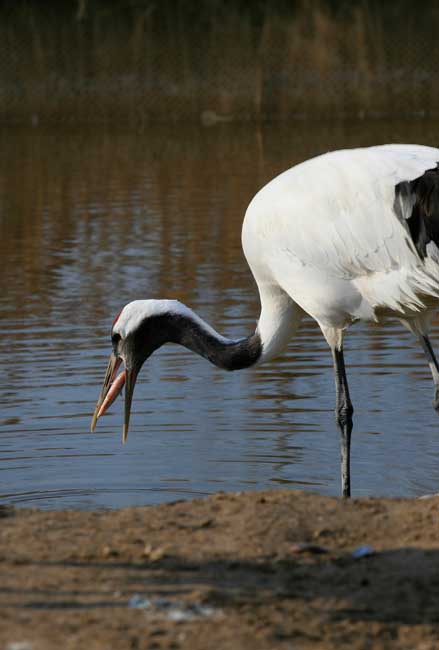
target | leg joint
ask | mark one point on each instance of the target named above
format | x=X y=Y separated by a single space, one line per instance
x=343 y=414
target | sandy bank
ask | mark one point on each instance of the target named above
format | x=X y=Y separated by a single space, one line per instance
x=246 y=571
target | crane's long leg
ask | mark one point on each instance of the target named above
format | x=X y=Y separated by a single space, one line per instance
x=434 y=367
x=343 y=415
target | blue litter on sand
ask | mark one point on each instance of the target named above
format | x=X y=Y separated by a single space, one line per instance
x=362 y=551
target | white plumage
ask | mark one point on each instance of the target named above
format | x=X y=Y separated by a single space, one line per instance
x=348 y=235
x=326 y=233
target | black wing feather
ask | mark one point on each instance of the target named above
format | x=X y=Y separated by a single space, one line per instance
x=423 y=222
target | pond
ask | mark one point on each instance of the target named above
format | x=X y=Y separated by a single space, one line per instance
x=93 y=218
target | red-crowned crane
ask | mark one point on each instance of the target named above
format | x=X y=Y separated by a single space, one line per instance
x=348 y=235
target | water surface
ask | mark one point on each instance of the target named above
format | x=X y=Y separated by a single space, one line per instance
x=90 y=220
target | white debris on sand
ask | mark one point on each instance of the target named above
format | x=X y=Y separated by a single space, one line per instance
x=176 y=611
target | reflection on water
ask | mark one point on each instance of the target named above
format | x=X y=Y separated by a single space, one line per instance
x=93 y=219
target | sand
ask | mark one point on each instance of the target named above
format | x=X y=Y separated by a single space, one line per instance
x=249 y=571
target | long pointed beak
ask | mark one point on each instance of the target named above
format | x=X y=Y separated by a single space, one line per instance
x=110 y=374
x=111 y=388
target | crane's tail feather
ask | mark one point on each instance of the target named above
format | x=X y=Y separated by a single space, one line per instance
x=417 y=206
x=417 y=202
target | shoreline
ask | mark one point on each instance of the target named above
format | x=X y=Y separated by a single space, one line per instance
x=250 y=571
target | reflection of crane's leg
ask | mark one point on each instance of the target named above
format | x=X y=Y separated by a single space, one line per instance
x=432 y=362
x=343 y=416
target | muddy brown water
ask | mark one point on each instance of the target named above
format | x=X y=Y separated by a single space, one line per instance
x=91 y=219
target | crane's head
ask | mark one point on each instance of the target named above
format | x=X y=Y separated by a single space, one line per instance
x=138 y=330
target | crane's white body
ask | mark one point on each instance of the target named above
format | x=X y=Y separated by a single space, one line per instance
x=324 y=238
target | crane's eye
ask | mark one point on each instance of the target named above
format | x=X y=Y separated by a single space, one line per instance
x=115 y=339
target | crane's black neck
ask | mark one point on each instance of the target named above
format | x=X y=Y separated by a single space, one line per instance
x=186 y=328
x=225 y=353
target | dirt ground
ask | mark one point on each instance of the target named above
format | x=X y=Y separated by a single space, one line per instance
x=248 y=571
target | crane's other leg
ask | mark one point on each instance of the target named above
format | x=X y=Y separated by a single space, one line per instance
x=434 y=367
x=343 y=415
